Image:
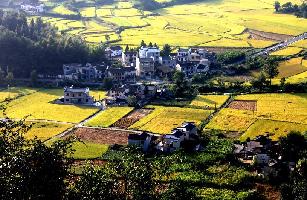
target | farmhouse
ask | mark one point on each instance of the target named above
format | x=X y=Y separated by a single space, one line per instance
x=79 y=72
x=129 y=58
x=167 y=61
x=77 y=96
x=113 y=52
x=32 y=8
x=189 y=69
x=150 y=52
x=182 y=55
x=165 y=143
x=145 y=68
x=121 y=75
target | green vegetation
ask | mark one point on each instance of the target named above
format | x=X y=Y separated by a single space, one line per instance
x=108 y=117
x=46 y=130
x=88 y=150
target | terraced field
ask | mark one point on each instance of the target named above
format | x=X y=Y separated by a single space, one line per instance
x=163 y=119
x=209 y=23
x=287 y=111
x=209 y=101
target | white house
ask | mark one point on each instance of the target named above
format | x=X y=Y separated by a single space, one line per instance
x=182 y=55
x=145 y=68
x=32 y=9
x=114 y=51
x=77 y=96
x=150 y=52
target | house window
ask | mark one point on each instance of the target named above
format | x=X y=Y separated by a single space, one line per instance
x=86 y=100
x=73 y=95
x=67 y=99
x=67 y=94
x=79 y=94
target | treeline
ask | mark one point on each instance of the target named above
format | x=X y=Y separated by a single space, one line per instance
x=38 y=46
x=289 y=8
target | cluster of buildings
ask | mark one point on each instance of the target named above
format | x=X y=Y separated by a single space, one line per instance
x=184 y=136
x=32 y=8
x=263 y=155
x=143 y=64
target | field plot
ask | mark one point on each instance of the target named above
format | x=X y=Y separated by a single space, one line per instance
x=209 y=101
x=287 y=51
x=290 y=109
x=243 y=105
x=39 y=105
x=275 y=129
x=208 y=23
x=102 y=136
x=88 y=150
x=163 y=119
x=108 y=117
x=291 y=67
x=46 y=130
x=131 y=118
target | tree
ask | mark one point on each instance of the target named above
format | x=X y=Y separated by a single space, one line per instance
x=143 y=44
x=277 y=6
x=260 y=82
x=181 y=87
x=2 y=76
x=127 y=48
x=132 y=100
x=107 y=37
x=107 y=83
x=150 y=44
x=292 y=146
x=282 y=83
x=166 y=51
x=29 y=168
x=270 y=68
x=33 y=77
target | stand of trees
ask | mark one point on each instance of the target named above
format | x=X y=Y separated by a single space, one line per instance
x=289 y=8
x=37 y=46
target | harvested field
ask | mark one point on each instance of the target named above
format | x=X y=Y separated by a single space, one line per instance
x=261 y=35
x=243 y=105
x=102 y=136
x=131 y=118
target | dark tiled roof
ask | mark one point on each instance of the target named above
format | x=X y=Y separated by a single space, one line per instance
x=142 y=136
x=115 y=48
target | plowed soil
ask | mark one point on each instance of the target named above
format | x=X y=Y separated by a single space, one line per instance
x=131 y=118
x=243 y=105
x=102 y=136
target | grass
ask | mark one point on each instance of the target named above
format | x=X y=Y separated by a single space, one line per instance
x=88 y=150
x=287 y=51
x=61 y=9
x=209 y=101
x=163 y=119
x=108 y=117
x=291 y=67
x=46 y=130
x=39 y=105
x=274 y=129
x=286 y=108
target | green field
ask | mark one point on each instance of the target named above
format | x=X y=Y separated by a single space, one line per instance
x=208 y=23
x=163 y=119
x=46 y=130
x=288 y=112
x=87 y=150
x=108 y=117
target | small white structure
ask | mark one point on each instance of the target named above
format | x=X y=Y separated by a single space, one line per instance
x=77 y=96
x=150 y=52
x=32 y=9
x=114 y=51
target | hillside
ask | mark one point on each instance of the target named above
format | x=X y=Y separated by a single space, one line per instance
x=222 y=23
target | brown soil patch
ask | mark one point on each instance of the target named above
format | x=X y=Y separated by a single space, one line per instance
x=131 y=118
x=261 y=35
x=243 y=105
x=268 y=191
x=102 y=136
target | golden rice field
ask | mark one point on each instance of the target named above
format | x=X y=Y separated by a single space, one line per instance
x=209 y=101
x=287 y=51
x=39 y=105
x=208 y=23
x=289 y=109
x=274 y=128
x=291 y=67
x=163 y=119
x=109 y=116
x=46 y=130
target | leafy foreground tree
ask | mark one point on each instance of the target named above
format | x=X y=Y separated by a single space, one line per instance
x=29 y=168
